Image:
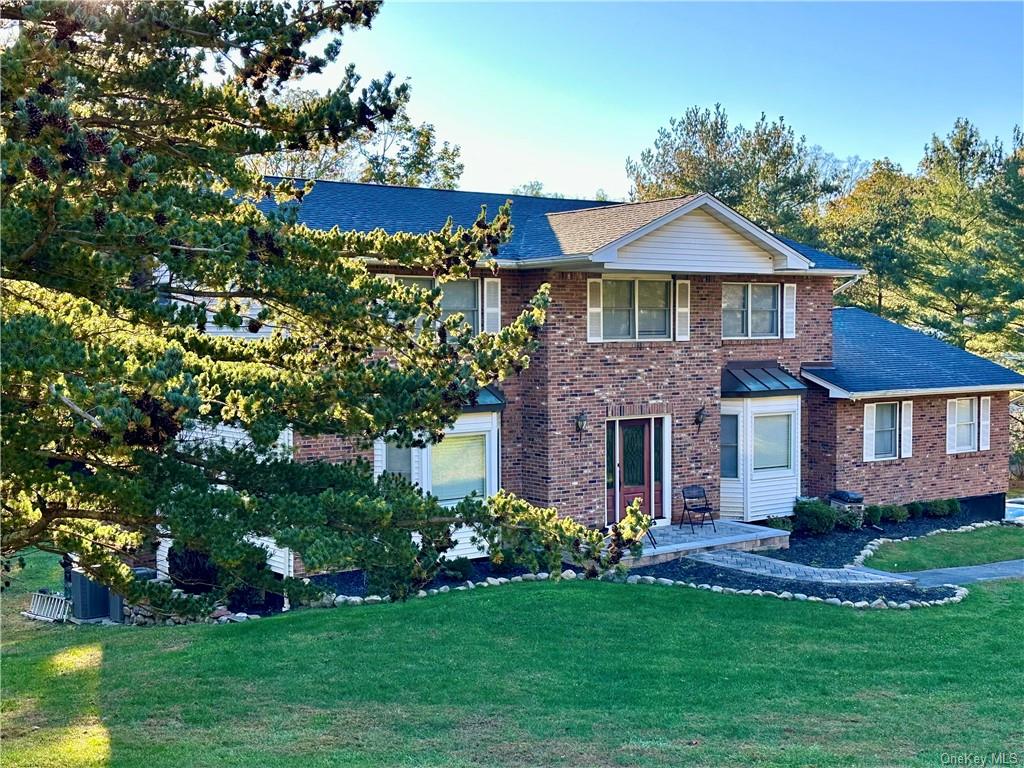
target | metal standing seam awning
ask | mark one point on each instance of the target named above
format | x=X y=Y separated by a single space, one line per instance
x=758 y=380
x=489 y=400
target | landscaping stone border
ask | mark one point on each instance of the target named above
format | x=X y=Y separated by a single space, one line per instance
x=872 y=546
x=568 y=575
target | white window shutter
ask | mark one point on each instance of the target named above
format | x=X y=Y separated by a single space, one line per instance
x=682 y=310
x=379 y=458
x=951 y=426
x=789 y=311
x=594 y=332
x=907 y=429
x=492 y=304
x=985 y=419
x=869 y=432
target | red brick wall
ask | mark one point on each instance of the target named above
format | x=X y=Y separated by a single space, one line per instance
x=818 y=448
x=546 y=461
x=558 y=466
x=930 y=473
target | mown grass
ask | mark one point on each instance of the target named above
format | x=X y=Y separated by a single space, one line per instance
x=949 y=550
x=568 y=674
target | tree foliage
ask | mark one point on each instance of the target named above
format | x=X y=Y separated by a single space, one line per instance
x=766 y=172
x=133 y=225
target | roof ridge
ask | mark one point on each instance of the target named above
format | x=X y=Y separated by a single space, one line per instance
x=634 y=202
x=432 y=189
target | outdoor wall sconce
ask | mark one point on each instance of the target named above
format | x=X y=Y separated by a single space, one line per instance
x=581 y=421
x=700 y=417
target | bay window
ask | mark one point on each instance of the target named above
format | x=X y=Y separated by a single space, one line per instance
x=773 y=441
x=459 y=467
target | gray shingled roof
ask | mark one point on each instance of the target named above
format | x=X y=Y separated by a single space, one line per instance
x=544 y=227
x=872 y=354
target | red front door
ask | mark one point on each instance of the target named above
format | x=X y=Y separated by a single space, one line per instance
x=634 y=465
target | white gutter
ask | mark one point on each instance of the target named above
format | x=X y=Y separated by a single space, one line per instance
x=837 y=392
x=849 y=283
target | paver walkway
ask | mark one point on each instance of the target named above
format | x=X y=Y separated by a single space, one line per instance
x=966 y=574
x=760 y=565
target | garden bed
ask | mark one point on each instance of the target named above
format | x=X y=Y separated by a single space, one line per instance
x=353 y=583
x=836 y=549
x=689 y=570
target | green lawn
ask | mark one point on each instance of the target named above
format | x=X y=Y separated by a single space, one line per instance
x=949 y=550
x=574 y=674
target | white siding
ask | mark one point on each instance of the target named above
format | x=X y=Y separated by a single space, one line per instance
x=759 y=494
x=697 y=242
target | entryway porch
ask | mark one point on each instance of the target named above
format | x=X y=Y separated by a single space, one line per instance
x=675 y=542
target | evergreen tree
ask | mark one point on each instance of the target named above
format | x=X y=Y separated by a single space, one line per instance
x=871 y=226
x=130 y=227
x=964 y=285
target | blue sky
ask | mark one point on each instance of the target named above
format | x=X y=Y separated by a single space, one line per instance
x=564 y=93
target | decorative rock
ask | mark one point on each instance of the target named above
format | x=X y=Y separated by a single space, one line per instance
x=255 y=616
x=516 y=579
x=680 y=583
x=340 y=599
x=568 y=574
x=729 y=591
x=469 y=585
x=355 y=601
x=833 y=601
x=431 y=592
x=543 y=576
x=879 y=603
x=892 y=604
x=666 y=582
x=757 y=593
x=482 y=584
x=769 y=593
x=463 y=588
x=800 y=596
x=529 y=577
x=744 y=592
x=847 y=604
x=633 y=580
x=647 y=579
x=421 y=594
x=716 y=588
x=492 y=582
x=233 y=617
x=785 y=595
x=704 y=586
x=691 y=585
x=814 y=599
x=373 y=600
x=861 y=605
x=904 y=606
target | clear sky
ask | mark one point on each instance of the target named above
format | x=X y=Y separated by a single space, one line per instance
x=564 y=93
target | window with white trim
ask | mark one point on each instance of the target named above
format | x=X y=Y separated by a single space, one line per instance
x=458 y=467
x=636 y=309
x=966 y=424
x=730 y=446
x=471 y=297
x=398 y=460
x=886 y=430
x=750 y=310
x=773 y=441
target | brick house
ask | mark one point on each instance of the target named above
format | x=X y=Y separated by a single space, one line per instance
x=685 y=345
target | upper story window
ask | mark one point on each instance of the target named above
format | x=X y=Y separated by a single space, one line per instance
x=751 y=310
x=629 y=310
x=479 y=301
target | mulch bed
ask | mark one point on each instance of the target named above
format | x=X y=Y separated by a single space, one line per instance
x=353 y=583
x=688 y=570
x=838 y=548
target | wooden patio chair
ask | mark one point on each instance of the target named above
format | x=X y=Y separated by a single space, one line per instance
x=695 y=502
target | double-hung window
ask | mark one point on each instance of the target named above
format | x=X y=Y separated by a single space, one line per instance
x=750 y=310
x=398 y=460
x=886 y=428
x=773 y=441
x=968 y=424
x=636 y=309
x=464 y=297
x=730 y=446
x=459 y=468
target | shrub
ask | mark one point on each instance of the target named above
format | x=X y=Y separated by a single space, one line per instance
x=916 y=509
x=872 y=514
x=941 y=507
x=459 y=569
x=191 y=571
x=849 y=520
x=779 y=523
x=814 y=517
x=504 y=561
x=894 y=513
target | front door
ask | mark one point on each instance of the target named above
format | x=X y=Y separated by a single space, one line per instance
x=634 y=465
